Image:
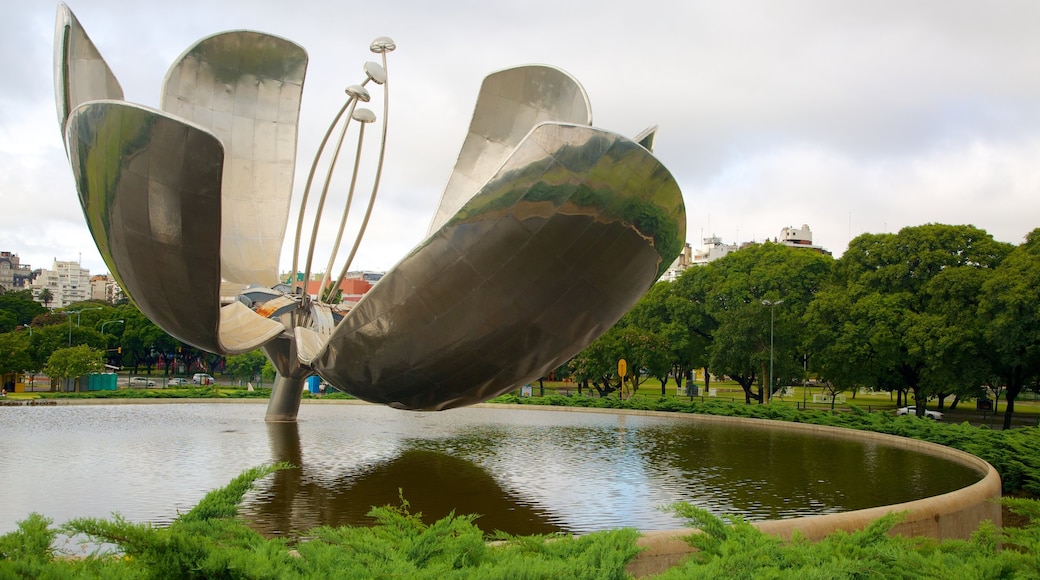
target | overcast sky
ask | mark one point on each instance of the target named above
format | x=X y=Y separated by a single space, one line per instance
x=848 y=116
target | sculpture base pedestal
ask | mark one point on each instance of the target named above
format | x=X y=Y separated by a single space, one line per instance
x=285 y=400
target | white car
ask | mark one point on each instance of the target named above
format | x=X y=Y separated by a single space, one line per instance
x=202 y=379
x=141 y=382
x=177 y=381
x=913 y=411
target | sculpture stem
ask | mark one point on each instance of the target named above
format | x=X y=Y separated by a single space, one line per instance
x=379 y=173
x=343 y=220
x=322 y=198
x=286 y=395
x=307 y=190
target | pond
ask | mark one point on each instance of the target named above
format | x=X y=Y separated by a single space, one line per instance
x=524 y=470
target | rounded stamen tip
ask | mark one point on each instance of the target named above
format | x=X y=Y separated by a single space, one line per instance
x=382 y=44
x=375 y=72
x=358 y=92
x=364 y=115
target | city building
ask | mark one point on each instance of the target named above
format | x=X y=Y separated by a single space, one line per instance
x=712 y=249
x=104 y=287
x=352 y=288
x=67 y=282
x=13 y=275
x=679 y=265
x=799 y=238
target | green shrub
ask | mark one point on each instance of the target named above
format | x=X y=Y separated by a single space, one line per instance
x=739 y=550
x=211 y=542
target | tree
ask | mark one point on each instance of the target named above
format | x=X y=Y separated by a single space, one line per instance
x=733 y=295
x=47 y=339
x=596 y=366
x=14 y=353
x=17 y=307
x=1010 y=313
x=74 y=362
x=45 y=297
x=898 y=310
x=690 y=305
x=642 y=350
x=675 y=311
x=245 y=366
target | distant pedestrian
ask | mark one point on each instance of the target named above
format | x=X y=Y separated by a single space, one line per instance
x=3 y=392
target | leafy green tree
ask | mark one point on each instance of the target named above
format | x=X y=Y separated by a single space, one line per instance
x=17 y=307
x=47 y=339
x=144 y=344
x=899 y=311
x=739 y=283
x=245 y=366
x=45 y=297
x=596 y=366
x=642 y=350
x=1010 y=315
x=14 y=353
x=74 y=362
x=694 y=325
x=674 y=311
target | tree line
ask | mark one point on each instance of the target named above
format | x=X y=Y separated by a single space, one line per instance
x=83 y=337
x=933 y=310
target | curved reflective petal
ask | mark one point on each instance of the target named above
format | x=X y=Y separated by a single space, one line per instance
x=553 y=250
x=246 y=87
x=149 y=185
x=510 y=103
x=80 y=73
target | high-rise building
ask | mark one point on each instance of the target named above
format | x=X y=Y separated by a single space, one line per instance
x=68 y=282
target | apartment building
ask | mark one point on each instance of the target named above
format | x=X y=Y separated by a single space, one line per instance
x=13 y=274
x=68 y=282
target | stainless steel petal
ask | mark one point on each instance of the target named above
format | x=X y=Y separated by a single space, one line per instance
x=80 y=73
x=246 y=88
x=149 y=185
x=511 y=102
x=552 y=251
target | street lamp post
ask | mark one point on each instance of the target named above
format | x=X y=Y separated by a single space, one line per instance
x=109 y=322
x=26 y=326
x=79 y=317
x=771 y=304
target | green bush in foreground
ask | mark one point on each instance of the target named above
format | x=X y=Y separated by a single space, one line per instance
x=739 y=550
x=211 y=542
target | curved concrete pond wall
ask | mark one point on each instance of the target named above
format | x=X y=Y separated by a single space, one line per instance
x=953 y=515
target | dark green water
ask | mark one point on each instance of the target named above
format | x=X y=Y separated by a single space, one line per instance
x=525 y=471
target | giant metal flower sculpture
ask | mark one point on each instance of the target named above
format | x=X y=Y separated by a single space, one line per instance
x=547 y=233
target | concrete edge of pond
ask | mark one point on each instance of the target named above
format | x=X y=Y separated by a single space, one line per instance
x=953 y=515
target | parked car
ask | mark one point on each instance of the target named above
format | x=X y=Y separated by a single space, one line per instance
x=141 y=382
x=177 y=381
x=202 y=379
x=913 y=411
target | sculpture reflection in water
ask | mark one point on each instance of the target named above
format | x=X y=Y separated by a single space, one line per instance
x=294 y=501
x=548 y=230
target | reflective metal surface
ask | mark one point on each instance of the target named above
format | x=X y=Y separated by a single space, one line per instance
x=590 y=221
x=80 y=73
x=548 y=230
x=510 y=103
x=246 y=88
